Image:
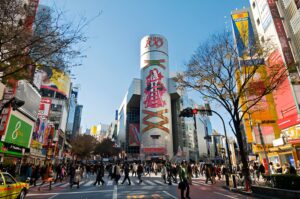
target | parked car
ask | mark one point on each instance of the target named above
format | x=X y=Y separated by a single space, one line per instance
x=11 y=188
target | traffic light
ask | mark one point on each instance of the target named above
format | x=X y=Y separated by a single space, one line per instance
x=187 y=112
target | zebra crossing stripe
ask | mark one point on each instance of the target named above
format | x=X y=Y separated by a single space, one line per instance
x=88 y=183
x=65 y=185
x=149 y=182
x=201 y=183
x=110 y=182
x=58 y=184
x=159 y=182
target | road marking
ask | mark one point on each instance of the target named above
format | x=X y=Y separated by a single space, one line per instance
x=225 y=195
x=174 y=197
x=159 y=182
x=65 y=185
x=57 y=184
x=132 y=182
x=201 y=183
x=53 y=196
x=149 y=182
x=110 y=182
x=67 y=193
x=115 y=192
x=88 y=183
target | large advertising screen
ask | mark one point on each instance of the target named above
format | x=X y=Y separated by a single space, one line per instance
x=55 y=80
x=134 y=134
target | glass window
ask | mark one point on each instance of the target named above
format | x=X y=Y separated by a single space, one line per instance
x=9 y=179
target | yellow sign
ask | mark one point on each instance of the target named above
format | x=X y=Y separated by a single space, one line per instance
x=259 y=148
x=93 y=130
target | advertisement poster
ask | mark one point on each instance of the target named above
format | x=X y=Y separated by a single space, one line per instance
x=30 y=96
x=44 y=109
x=55 y=80
x=134 y=135
x=18 y=131
x=264 y=110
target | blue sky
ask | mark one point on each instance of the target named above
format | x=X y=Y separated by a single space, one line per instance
x=114 y=43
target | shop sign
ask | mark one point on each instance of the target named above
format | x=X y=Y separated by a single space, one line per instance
x=18 y=132
x=154 y=150
x=259 y=148
x=36 y=144
x=12 y=148
x=278 y=142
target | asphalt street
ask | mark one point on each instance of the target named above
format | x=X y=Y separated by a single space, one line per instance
x=151 y=188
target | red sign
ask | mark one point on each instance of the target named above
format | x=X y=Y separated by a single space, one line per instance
x=288 y=121
x=156 y=42
x=154 y=150
x=287 y=53
x=44 y=107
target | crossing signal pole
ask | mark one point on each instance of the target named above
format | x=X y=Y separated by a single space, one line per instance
x=189 y=112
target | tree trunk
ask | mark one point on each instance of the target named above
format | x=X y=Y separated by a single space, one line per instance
x=245 y=168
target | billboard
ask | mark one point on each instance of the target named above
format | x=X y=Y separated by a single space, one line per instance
x=134 y=135
x=31 y=98
x=55 y=80
x=18 y=131
x=155 y=103
x=44 y=108
x=243 y=33
x=264 y=110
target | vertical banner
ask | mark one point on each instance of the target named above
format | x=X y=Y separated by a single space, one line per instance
x=134 y=135
x=264 y=110
x=156 y=129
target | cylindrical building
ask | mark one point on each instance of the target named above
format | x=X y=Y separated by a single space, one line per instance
x=155 y=121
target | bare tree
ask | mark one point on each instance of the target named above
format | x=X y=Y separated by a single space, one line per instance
x=238 y=83
x=27 y=41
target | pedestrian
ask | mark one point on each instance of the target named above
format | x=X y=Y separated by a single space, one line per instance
x=163 y=173
x=72 y=171
x=293 y=171
x=47 y=176
x=126 y=173
x=134 y=169
x=155 y=168
x=183 y=184
x=35 y=174
x=169 y=173
x=189 y=173
x=208 y=174
x=78 y=175
x=117 y=173
x=100 y=175
x=140 y=171
x=261 y=170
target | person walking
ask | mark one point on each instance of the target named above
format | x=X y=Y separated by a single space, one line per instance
x=208 y=174
x=117 y=173
x=100 y=175
x=72 y=171
x=164 y=173
x=78 y=175
x=126 y=173
x=183 y=184
x=189 y=173
x=134 y=169
x=140 y=171
x=47 y=176
x=35 y=174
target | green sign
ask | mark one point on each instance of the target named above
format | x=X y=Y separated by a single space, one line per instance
x=18 y=132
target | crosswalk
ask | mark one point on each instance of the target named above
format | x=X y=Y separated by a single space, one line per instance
x=134 y=182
